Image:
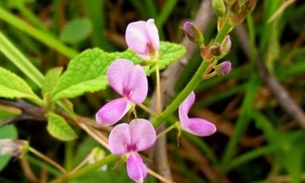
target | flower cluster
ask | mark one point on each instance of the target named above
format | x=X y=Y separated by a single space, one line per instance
x=130 y=81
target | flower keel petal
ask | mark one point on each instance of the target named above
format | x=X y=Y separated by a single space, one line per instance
x=201 y=127
x=112 y=112
x=143 y=134
x=136 y=169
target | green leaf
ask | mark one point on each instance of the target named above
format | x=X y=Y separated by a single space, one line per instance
x=12 y=86
x=7 y=132
x=87 y=73
x=76 y=30
x=59 y=128
x=51 y=80
x=169 y=53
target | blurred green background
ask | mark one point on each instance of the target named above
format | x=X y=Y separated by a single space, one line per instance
x=256 y=141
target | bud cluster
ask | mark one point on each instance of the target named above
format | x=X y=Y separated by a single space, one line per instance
x=219 y=50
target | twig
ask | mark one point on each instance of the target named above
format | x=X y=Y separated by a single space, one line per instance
x=273 y=84
x=168 y=83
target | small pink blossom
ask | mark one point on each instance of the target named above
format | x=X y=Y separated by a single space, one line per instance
x=223 y=68
x=196 y=126
x=130 y=82
x=143 y=38
x=128 y=139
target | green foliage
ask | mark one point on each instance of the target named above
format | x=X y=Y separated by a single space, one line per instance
x=12 y=86
x=59 y=128
x=76 y=30
x=169 y=53
x=87 y=71
x=51 y=79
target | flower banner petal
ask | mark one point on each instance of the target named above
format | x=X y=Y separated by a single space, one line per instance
x=119 y=138
x=137 y=85
x=118 y=74
x=143 y=134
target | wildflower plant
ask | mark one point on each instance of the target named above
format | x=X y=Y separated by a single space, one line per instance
x=126 y=73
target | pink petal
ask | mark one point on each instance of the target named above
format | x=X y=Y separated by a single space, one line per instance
x=143 y=134
x=112 y=112
x=184 y=108
x=153 y=34
x=137 y=85
x=136 y=38
x=196 y=126
x=143 y=37
x=136 y=169
x=201 y=127
x=117 y=74
x=188 y=102
x=128 y=80
x=118 y=138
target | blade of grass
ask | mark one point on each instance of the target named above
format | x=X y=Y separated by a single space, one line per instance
x=11 y=52
x=37 y=34
x=165 y=12
x=242 y=121
x=95 y=11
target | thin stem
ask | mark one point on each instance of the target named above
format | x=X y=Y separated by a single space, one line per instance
x=159 y=104
x=27 y=170
x=226 y=29
x=93 y=134
x=196 y=79
x=37 y=34
x=45 y=158
x=87 y=169
x=155 y=174
x=81 y=164
x=149 y=110
x=167 y=130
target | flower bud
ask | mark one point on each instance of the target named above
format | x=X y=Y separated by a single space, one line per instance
x=223 y=68
x=235 y=8
x=97 y=154
x=219 y=7
x=206 y=54
x=229 y=2
x=193 y=33
x=13 y=147
x=215 y=49
x=226 y=45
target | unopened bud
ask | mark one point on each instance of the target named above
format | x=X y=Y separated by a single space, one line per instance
x=206 y=54
x=219 y=7
x=220 y=23
x=97 y=154
x=235 y=7
x=226 y=45
x=215 y=49
x=193 y=33
x=13 y=147
x=223 y=68
x=229 y=2
x=236 y=19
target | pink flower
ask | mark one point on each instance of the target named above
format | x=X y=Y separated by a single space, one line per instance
x=130 y=82
x=196 y=126
x=223 y=68
x=128 y=139
x=143 y=38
